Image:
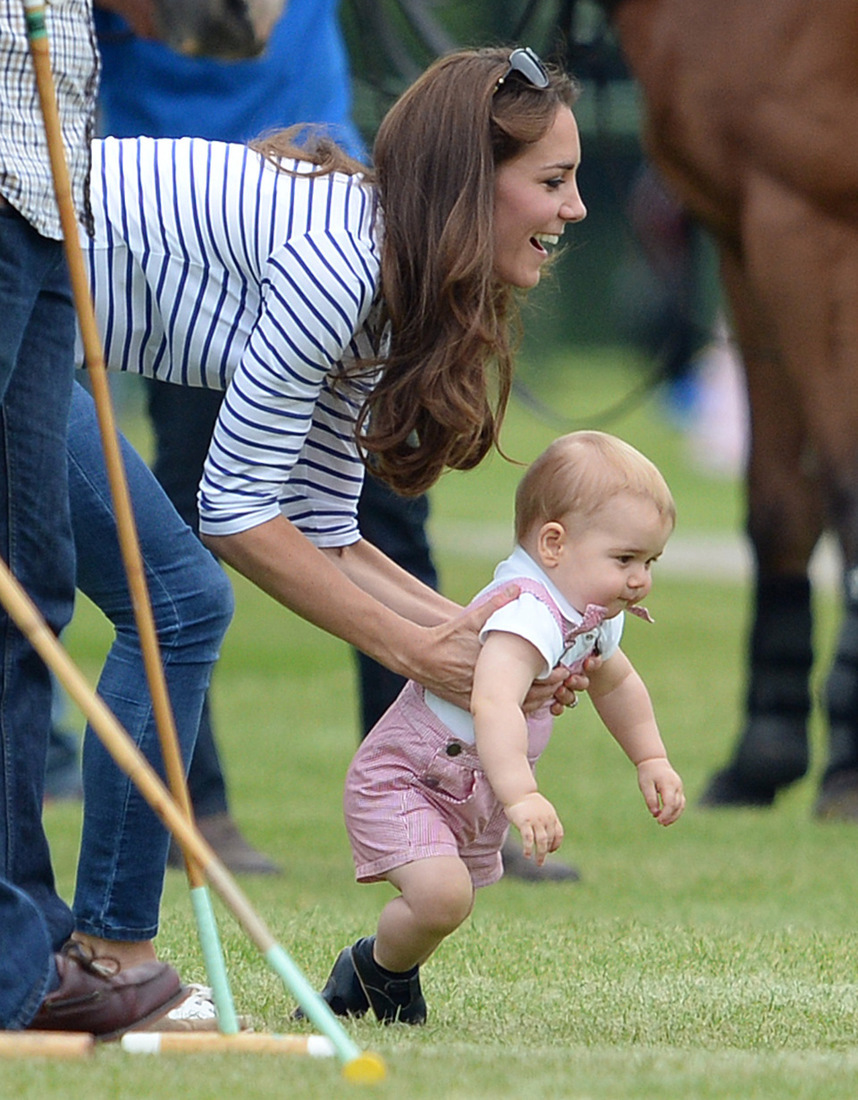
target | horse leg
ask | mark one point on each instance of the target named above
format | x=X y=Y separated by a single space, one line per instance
x=811 y=261
x=835 y=408
x=784 y=522
x=838 y=796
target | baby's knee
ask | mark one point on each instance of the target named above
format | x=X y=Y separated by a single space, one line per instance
x=449 y=905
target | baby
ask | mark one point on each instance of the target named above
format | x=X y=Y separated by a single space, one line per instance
x=433 y=788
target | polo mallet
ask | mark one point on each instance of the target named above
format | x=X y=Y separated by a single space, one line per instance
x=176 y=815
x=360 y=1066
x=126 y=528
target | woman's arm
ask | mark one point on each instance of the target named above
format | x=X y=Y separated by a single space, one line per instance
x=440 y=654
x=371 y=570
x=361 y=596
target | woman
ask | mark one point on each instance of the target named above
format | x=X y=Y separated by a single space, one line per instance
x=350 y=312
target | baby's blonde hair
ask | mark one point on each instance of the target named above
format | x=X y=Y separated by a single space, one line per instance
x=578 y=473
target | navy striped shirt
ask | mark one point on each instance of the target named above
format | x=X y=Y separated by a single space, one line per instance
x=210 y=267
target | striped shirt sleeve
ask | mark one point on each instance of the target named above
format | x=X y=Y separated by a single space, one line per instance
x=211 y=267
x=285 y=437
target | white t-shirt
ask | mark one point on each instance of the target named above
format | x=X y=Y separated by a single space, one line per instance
x=529 y=617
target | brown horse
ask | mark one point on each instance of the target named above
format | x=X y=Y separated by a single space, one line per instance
x=751 y=115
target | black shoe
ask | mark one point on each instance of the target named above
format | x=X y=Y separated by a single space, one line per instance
x=515 y=865
x=394 y=998
x=343 y=992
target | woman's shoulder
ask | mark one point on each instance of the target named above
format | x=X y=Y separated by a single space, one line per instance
x=328 y=221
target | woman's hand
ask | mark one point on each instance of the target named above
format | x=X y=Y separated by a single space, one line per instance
x=561 y=686
x=447 y=659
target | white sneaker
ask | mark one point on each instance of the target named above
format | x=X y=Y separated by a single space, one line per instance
x=197 y=1012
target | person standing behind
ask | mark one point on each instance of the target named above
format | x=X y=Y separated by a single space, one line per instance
x=44 y=981
x=433 y=789
x=147 y=88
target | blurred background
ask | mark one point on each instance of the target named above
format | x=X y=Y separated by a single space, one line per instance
x=637 y=273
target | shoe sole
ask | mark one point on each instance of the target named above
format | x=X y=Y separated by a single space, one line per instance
x=156 y=1014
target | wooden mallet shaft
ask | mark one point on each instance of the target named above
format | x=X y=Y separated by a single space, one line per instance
x=46 y=1044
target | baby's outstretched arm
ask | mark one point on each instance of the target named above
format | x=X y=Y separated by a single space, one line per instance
x=504 y=672
x=622 y=700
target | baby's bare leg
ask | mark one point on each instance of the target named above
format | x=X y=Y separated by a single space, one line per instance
x=436 y=896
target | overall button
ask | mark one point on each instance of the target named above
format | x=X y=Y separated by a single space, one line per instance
x=453 y=749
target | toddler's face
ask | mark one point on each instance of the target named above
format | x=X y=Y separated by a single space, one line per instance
x=609 y=560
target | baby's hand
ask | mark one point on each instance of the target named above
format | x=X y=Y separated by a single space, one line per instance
x=537 y=821
x=662 y=789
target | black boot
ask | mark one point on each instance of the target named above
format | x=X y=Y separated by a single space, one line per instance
x=343 y=992
x=772 y=751
x=394 y=997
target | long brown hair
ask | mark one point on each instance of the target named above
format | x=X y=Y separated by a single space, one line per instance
x=443 y=383
x=438 y=402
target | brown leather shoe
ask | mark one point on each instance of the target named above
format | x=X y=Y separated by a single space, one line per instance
x=515 y=865
x=96 y=996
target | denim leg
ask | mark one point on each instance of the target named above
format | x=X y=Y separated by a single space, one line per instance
x=183 y=419
x=36 y=368
x=124 y=846
x=27 y=968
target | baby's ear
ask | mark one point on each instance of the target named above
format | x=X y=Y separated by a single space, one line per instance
x=550 y=542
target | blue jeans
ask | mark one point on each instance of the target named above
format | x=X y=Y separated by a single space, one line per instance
x=27 y=970
x=183 y=419
x=124 y=846
x=36 y=370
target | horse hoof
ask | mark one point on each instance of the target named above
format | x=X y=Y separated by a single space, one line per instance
x=727 y=788
x=772 y=753
x=838 y=797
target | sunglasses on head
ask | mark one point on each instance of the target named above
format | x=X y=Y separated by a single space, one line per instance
x=528 y=65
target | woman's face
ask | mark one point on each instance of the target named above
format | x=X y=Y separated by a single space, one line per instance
x=536 y=194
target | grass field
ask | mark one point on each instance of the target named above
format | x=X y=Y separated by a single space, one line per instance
x=711 y=961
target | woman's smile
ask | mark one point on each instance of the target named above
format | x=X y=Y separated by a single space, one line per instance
x=536 y=194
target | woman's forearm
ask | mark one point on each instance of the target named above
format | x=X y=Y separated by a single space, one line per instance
x=390 y=584
x=286 y=565
x=438 y=653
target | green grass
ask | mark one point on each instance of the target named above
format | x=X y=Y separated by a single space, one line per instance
x=710 y=961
